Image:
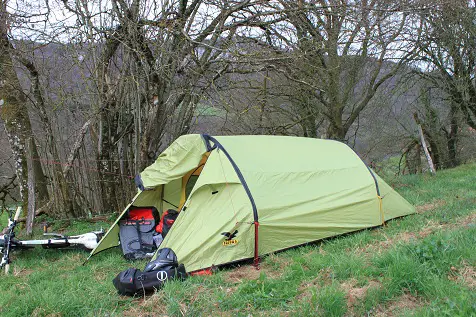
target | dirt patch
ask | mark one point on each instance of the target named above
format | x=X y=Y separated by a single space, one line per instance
x=305 y=289
x=404 y=302
x=38 y=311
x=323 y=278
x=273 y=312
x=326 y=276
x=249 y=272
x=465 y=275
x=101 y=275
x=230 y=290
x=22 y=272
x=245 y=272
x=354 y=293
x=469 y=220
x=380 y=246
x=322 y=251
x=430 y=206
x=147 y=306
x=468 y=276
x=426 y=231
x=278 y=261
x=401 y=237
x=460 y=222
x=406 y=237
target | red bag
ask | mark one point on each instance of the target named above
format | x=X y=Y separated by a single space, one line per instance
x=139 y=213
x=166 y=222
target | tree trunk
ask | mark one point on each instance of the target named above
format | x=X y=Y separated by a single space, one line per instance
x=452 y=137
x=63 y=203
x=425 y=149
x=155 y=125
x=108 y=164
x=413 y=159
x=14 y=113
x=336 y=130
x=107 y=125
x=434 y=150
x=31 y=190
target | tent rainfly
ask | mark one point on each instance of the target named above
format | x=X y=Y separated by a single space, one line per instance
x=241 y=197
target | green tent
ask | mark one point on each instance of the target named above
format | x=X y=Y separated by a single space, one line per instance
x=241 y=197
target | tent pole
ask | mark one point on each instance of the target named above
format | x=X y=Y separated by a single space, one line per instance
x=256 y=257
x=217 y=144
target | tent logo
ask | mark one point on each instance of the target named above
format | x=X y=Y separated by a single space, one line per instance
x=229 y=235
x=229 y=242
x=229 y=238
x=162 y=276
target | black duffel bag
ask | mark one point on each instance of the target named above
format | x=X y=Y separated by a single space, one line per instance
x=136 y=282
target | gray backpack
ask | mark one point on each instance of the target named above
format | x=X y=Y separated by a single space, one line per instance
x=136 y=232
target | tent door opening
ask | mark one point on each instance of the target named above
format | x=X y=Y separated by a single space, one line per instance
x=189 y=179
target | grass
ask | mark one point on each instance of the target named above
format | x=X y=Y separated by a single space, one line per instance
x=3 y=220
x=420 y=265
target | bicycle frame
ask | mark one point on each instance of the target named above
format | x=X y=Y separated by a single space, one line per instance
x=88 y=241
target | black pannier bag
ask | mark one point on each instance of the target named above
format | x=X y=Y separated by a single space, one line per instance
x=135 y=282
x=136 y=231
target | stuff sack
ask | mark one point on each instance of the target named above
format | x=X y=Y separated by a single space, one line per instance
x=136 y=282
x=156 y=273
x=168 y=218
x=136 y=231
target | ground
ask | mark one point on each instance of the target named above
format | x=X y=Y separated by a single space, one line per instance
x=420 y=265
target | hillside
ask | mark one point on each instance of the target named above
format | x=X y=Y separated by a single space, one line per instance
x=423 y=264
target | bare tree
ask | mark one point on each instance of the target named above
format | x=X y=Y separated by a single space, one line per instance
x=447 y=52
x=151 y=64
x=449 y=48
x=341 y=54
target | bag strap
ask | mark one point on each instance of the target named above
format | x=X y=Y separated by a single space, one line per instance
x=139 y=234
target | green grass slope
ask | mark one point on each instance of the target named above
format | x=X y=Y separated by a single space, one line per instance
x=420 y=265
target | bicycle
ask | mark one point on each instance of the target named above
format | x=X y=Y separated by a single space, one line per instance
x=8 y=242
